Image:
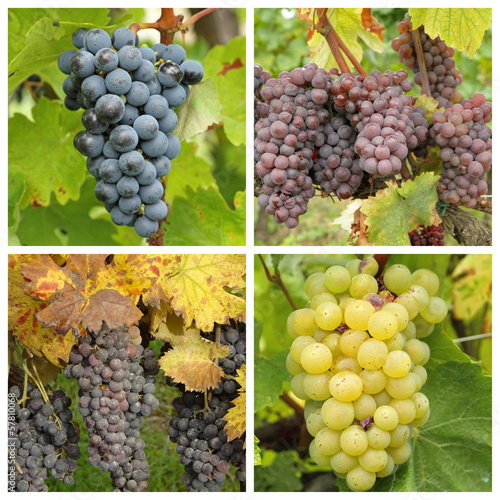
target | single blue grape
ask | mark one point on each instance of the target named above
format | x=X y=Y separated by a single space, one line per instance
x=110 y=171
x=127 y=186
x=174 y=52
x=174 y=147
x=162 y=165
x=88 y=144
x=118 y=81
x=69 y=88
x=93 y=88
x=64 y=60
x=168 y=122
x=193 y=72
x=122 y=37
x=92 y=123
x=146 y=127
x=148 y=54
x=94 y=164
x=155 y=147
x=152 y=192
x=169 y=74
x=130 y=205
x=154 y=86
x=156 y=211
x=175 y=96
x=148 y=175
x=106 y=60
x=78 y=37
x=110 y=152
x=158 y=49
x=124 y=138
x=106 y=193
x=119 y=217
x=131 y=163
x=138 y=94
x=82 y=64
x=145 y=72
x=145 y=227
x=130 y=115
x=71 y=104
x=97 y=39
x=110 y=108
x=156 y=106
x=130 y=57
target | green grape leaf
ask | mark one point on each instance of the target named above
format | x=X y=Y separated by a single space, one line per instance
x=203 y=218
x=21 y=20
x=191 y=169
x=70 y=224
x=200 y=110
x=348 y=24
x=16 y=190
x=453 y=450
x=461 y=28
x=269 y=375
x=472 y=286
x=236 y=416
x=63 y=170
x=225 y=65
x=395 y=211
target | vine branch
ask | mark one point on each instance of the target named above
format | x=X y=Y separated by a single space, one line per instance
x=277 y=279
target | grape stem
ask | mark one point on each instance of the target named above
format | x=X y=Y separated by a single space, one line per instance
x=325 y=28
x=421 y=62
x=277 y=279
x=382 y=260
x=293 y=404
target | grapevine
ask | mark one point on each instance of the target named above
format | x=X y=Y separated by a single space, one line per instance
x=347 y=134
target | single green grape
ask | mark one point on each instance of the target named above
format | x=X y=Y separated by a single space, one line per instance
x=353 y=267
x=368 y=265
x=351 y=340
x=397 y=278
x=428 y=279
x=382 y=325
x=311 y=279
x=357 y=314
x=328 y=316
x=400 y=312
x=342 y=462
x=346 y=386
x=372 y=354
x=421 y=403
x=373 y=381
x=362 y=284
x=316 y=358
x=386 y=417
x=328 y=441
x=405 y=409
x=314 y=422
x=397 y=364
x=337 y=414
x=436 y=311
x=303 y=322
x=316 y=386
x=353 y=440
x=337 y=279
x=322 y=297
x=359 y=479
x=373 y=460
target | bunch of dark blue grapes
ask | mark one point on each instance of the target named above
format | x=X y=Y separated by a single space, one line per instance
x=199 y=428
x=45 y=439
x=117 y=384
x=129 y=94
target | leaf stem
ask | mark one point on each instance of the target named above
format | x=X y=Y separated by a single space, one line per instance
x=473 y=337
x=277 y=279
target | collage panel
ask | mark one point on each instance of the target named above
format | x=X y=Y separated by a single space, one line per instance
x=127 y=372
x=372 y=127
x=105 y=106
x=373 y=373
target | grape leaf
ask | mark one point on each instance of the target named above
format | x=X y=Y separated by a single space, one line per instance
x=395 y=211
x=16 y=190
x=42 y=342
x=348 y=25
x=63 y=171
x=73 y=224
x=225 y=65
x=200 y=110
x=461 y=28
x=197 y=287
x=472 y=286
x=79 y=292
x=269 y=375
x=257 y=458
x=236 y=415
x=193 y=362
x=204 y=218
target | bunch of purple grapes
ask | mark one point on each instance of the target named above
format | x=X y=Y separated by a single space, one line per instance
x=444 y=77
x=427 y=236
x=466 y=144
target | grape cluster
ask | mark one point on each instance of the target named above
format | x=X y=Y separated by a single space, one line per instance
x=116 y=376
x=129 y=94
x=45 y=438
x=444 y=77
x=357 y=358
x=427 y=236
x=466 y=144
x=199 y=428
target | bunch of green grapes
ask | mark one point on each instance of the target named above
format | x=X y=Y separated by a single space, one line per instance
x=357 y=359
